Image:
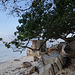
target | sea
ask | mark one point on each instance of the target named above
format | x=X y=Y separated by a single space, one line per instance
x=8 y=54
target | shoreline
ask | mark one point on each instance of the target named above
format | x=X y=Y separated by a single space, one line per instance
x=8 y=54
x=4 y=61
x=12 y=59
x=13 y=67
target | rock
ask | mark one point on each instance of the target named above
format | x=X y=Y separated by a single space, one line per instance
x=46 y=70
x=51 y=70
x=66 y=60
x=52 y=63
x=29 y=52
x=34 y=69
x=47 y=59
x=40 y=63
x=42 y=53
x=72 y=54
x=70 y=49
x=35 y=73
x=36 y=58
x=61 y=59
x=41 y=70
x=66 y=71
x=32 y=53
x=73 y=61
x=26 y=64
x=56 y=68
x=16 y=59
x=36 y=45
x=60 y=45
x=72 y=45
x=51 y=49
x=58 y=63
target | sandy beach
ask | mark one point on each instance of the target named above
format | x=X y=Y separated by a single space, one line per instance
x=14 y=67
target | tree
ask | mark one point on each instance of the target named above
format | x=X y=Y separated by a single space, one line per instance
x=16 y=7
x=43 y=21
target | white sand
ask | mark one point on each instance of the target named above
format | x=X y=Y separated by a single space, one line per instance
x=15 y=68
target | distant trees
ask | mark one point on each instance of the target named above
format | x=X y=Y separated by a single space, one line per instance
x=45 y=21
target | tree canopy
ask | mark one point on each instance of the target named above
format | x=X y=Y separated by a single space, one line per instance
x=45 y=20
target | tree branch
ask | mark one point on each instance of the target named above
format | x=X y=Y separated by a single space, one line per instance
x=42 y=44
x=68 y=39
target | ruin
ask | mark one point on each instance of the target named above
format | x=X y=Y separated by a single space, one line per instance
x=36 y=45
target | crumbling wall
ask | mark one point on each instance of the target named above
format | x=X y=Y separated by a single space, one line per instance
x=35 y=45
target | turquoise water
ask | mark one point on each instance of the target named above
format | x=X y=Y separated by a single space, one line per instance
x=8 y=54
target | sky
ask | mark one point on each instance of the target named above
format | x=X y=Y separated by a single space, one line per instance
x=8 y=24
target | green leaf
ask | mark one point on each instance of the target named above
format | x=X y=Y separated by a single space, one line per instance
x=1 y=39
x=7 y=45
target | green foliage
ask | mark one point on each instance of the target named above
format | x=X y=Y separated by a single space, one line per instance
x=7 y=45
x=51 y=23
x=0 y=39
x=41 y=21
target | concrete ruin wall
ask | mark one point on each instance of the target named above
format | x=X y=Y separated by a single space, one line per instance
x=35 y=45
